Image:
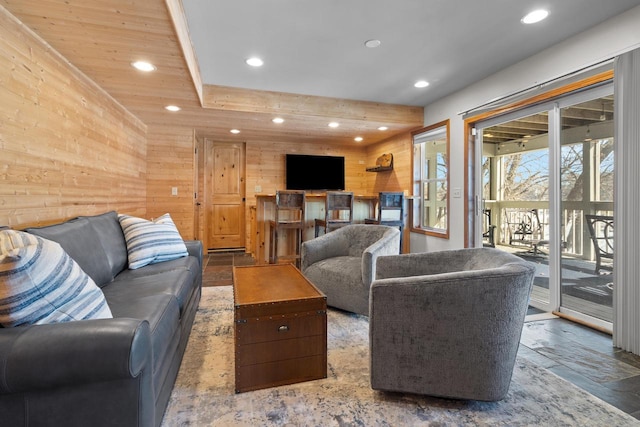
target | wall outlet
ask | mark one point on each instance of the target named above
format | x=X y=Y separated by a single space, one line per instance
x=174 y=191
x=456 y=192
x=258 y=189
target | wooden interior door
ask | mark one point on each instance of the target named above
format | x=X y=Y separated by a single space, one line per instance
x=198 y=185
x=225 y=187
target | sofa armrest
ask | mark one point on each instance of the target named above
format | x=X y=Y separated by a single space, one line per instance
x=328 y=245
x=78 y=352
x=194 y=247
x=389 y=244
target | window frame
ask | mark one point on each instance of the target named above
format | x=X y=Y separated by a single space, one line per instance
x=416 y=212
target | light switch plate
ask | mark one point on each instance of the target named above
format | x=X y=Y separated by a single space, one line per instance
x=174 y=191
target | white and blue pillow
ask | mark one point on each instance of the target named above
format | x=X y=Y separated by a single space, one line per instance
x=40 y=283
x=150 y=242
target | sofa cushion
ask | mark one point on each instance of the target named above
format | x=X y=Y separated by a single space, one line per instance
x=185 y=263
x=178 y=283
x=149 y=242
x=81 y=241
x=111 y=238
x=341 y=279
x=40 y=283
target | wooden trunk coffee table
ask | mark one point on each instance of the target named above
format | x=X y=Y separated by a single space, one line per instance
x=280 y=327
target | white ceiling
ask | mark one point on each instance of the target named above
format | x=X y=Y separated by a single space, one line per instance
x=316 y=47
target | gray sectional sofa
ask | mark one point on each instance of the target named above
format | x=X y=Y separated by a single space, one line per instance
x=105 y=372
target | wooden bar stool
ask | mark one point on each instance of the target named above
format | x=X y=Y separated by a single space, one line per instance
x=390 y=211
x=338 y=211
x=289 y=215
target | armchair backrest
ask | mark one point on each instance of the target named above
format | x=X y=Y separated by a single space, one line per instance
x=361 y=237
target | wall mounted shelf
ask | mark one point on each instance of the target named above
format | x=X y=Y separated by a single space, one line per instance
x=379 y=168
x=383 y=163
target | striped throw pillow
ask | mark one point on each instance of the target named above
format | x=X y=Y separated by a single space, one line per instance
x=40 y=283
x=150 y=242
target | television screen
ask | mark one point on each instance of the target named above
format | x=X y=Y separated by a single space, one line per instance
x=308 y=172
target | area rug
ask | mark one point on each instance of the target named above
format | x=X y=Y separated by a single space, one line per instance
x=204 y=393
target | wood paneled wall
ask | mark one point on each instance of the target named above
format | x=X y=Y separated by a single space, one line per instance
x=170 y=163
x=399 y=179
x=67 y=148
x=266 y=165
x=266 y=168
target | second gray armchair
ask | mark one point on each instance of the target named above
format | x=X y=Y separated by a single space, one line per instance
x=448 y=323
x=342 y=263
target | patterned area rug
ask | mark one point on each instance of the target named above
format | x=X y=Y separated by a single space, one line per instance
x=204 y=393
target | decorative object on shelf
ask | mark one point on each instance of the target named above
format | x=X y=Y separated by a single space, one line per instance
x=383 y=163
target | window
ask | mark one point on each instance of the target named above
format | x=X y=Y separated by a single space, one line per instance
x=430 y=213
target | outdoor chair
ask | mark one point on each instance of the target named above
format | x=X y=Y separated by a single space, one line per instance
x=489 y=230
x=601 y=233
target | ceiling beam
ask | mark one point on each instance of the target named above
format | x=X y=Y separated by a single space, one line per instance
x=256 y=101
x=179 y=21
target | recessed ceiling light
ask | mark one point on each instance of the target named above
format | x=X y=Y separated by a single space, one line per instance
x=421 y=83
x=334 y=124
x=372 y=43
x=143 y=66
x=535 y=16
x=255 y=62
x=278 y=120
x=234 y=131
x=383 y=128
x=358 y=139
x=173 y=108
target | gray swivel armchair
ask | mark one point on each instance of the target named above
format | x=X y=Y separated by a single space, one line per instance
x=448 y=323
x=342 y=263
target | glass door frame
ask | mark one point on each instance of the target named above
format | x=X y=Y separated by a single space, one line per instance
x=553 y=107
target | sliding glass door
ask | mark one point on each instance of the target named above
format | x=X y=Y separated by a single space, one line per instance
x=546 y=185
x=516 y=191
x=586 y=186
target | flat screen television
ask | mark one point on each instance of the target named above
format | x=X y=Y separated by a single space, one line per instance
x=309 y=172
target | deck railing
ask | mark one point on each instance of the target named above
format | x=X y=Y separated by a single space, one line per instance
x=527 y=224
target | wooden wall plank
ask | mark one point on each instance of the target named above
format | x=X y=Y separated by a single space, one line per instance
x=170 y=164
x=67 y=147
